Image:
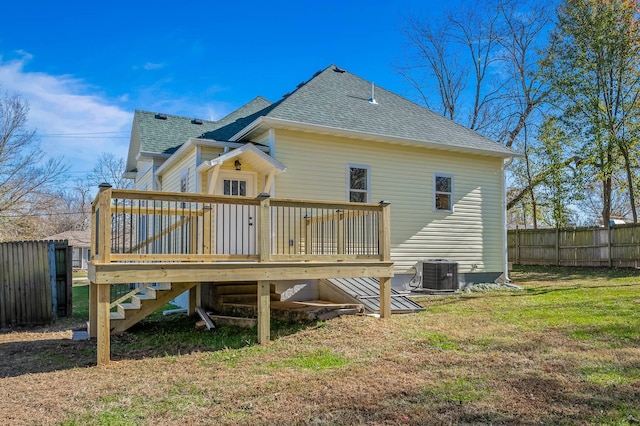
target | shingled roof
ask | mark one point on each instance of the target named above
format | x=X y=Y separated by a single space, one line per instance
x=165 y=133
x=333 y=99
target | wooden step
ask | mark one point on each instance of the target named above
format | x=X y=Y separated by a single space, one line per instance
x=137 y=310
x=246 y=298
x=124 y=307
x=116 y=316
x=247 y=288
x=139 y=299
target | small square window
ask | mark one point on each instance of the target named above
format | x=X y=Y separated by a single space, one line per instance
x=443 y=194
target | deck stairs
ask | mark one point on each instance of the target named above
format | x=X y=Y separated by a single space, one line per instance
x=230 y=298
x=142 y=305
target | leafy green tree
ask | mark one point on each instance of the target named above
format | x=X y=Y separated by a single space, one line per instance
x=593 y=69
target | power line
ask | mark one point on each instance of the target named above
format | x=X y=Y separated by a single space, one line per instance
x=40 y=214
x=80 y=134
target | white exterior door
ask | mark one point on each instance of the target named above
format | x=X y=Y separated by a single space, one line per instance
x=236 y=225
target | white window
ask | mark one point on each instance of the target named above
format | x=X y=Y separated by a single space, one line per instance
x=358 y=183
x=443 y=192
x=184 y=181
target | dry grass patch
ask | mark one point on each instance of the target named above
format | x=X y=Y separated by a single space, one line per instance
x=564 y=351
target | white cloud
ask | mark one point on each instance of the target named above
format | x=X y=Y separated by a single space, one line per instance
x=65 y=105
x=153 y=66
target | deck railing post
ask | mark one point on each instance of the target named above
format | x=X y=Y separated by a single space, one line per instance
x=99 y=310
x=104 y=223
x=384 y=240
x=101 y=246
x=264 y=231
x=340 y=236
x=384 y=230
x=264 y=296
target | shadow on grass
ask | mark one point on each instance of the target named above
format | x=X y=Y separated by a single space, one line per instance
x=43 y=356
x=156 y=336
x=562 y=273
x=176 y=335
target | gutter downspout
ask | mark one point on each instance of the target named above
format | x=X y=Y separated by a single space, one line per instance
x=505 y=254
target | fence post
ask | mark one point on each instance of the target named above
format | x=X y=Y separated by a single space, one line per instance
x=557 y=246
x=517 y=246
x=51 y=257
x=609 y=244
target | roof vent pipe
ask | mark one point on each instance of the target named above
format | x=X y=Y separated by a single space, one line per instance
x=373 y=94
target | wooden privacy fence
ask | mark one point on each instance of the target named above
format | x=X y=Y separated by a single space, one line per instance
x=618 y=246
x=35 y=282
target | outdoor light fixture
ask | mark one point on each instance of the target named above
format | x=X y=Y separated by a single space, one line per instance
x=238 y=165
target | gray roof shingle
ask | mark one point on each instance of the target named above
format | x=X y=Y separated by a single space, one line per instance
x=331 y=98
x=166 y=136
x=339 y=99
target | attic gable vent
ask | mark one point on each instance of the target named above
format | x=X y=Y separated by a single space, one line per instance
x=161 y=116
x=197 y=121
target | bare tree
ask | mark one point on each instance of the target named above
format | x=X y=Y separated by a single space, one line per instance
x=109 y=169
x=485 y=61
x=455 y=54
x=25 y=181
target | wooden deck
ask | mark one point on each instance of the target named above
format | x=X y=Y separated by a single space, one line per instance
x=148 y=237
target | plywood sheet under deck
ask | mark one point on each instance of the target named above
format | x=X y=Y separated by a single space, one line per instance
x=301 y=311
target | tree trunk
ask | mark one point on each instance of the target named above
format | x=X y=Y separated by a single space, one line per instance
x=627 y=165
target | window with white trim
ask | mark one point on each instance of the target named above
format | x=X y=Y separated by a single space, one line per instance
x=358 y=183
x=184 y=181
x=443 y=192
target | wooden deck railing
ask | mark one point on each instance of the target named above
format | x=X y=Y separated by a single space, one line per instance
x=147 y=226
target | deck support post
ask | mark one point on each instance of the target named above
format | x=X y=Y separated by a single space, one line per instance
x=93 y=310
x=195 y=299
x=103 y=324
x=385 y=297
x=264 y=312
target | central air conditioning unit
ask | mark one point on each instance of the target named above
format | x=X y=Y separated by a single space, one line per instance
x=438 y=275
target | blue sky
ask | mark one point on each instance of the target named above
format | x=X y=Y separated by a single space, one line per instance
x=85 y=66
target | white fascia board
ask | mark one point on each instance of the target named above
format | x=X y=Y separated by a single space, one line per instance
x=244 y=148
x=150 y=156
x=271 y=122
x=193 y=143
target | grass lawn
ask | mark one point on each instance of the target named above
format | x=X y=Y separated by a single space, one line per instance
x=566 y=350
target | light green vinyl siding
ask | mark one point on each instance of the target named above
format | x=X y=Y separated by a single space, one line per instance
x=471 y=235
x=171 y=177
x=144 y=181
